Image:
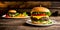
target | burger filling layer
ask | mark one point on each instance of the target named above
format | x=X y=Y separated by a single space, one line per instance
x=41 y=13
x=41 y=17
x=42 y=20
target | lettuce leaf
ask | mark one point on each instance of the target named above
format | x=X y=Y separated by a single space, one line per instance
x=25 y=14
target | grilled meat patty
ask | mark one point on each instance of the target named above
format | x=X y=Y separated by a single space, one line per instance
x=43 y=19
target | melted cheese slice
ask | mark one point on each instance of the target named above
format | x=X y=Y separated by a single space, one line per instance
x=38 y=17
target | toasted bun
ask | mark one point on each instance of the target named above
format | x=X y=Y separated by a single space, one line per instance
x=12 y=11
x=40 y=9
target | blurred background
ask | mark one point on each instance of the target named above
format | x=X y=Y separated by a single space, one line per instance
x=26 y=6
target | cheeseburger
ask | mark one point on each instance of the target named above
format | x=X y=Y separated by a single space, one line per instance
x=15 y=14
x=12 y=13
x=40 y=15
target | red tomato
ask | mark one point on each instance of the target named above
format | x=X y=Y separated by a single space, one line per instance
x=7 y=15
x=38 y=15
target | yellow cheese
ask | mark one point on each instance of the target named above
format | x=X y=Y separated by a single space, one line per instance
x=38 y=17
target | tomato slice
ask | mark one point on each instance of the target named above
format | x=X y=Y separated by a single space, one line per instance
x=38 y=15
x=7 y=15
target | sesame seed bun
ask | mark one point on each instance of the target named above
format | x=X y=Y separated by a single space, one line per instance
x=40 y=9
x=12 y=11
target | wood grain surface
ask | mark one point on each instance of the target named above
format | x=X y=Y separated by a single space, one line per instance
x=19 y=24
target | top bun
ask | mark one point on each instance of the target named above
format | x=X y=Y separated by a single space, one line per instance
x=12 y=11
x=40 y=9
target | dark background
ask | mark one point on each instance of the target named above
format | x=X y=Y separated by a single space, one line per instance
x=27 y=5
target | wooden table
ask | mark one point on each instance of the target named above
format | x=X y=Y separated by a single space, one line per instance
x=19 y=24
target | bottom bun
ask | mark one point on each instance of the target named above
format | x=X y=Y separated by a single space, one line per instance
x=34 y=22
